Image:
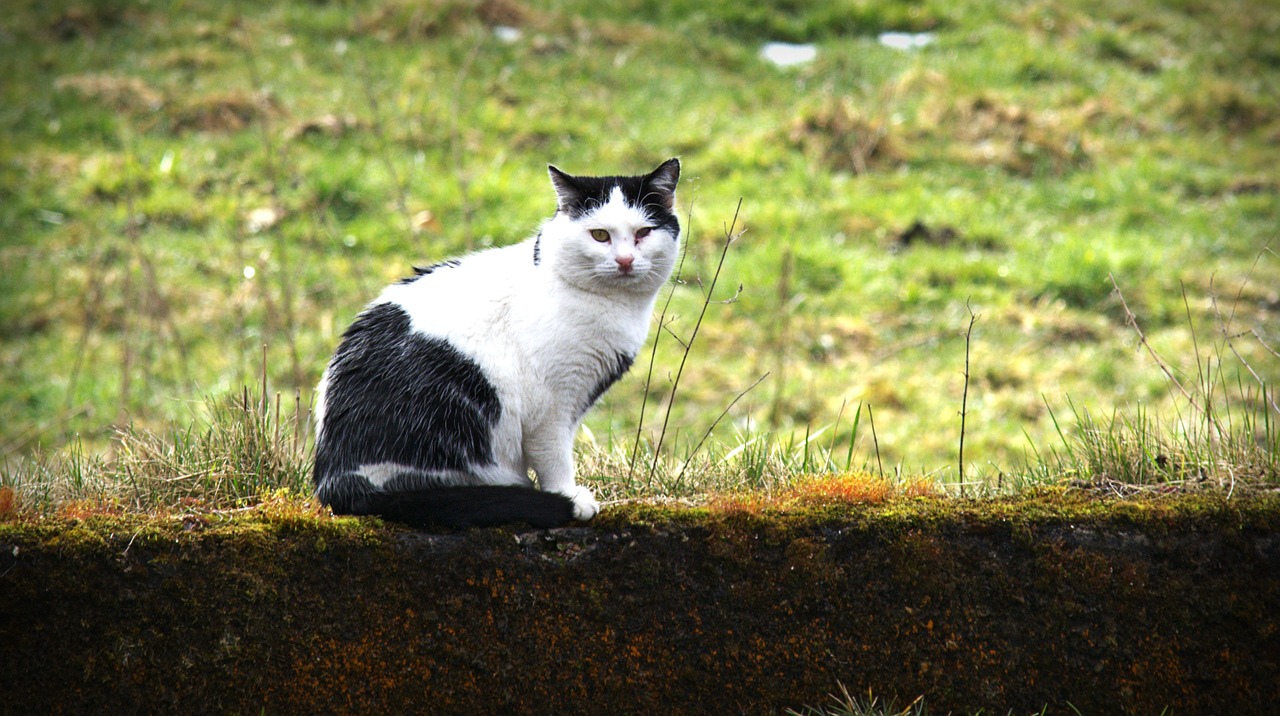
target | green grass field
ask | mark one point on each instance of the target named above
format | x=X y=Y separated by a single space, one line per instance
x=182 y=184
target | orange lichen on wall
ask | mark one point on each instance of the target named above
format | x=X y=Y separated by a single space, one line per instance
x=85 y=509
x=849 y=487
x=819 y=490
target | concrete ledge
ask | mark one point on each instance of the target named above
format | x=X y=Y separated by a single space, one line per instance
x=1126 y=606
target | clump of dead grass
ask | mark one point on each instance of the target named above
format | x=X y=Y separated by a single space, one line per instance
x=325 y=125
x=1022 y=141
x=89 y=20
x=1227 y=105
x=120 y=93
x=401 y=20
x=229 y=111
x=845 y=137
x=223 y=112
x=244 y=451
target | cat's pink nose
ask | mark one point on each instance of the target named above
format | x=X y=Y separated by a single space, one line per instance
x=624 y=263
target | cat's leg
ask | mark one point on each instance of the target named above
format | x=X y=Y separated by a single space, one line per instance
x=507 y=465
x=549 y=451
x=501 y=475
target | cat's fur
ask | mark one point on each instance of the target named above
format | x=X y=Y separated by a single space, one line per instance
x=454 y=383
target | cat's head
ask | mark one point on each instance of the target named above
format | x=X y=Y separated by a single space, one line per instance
x=615 y=233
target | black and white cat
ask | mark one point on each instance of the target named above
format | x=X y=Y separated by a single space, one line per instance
x=453 y=384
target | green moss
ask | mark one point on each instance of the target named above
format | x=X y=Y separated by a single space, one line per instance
x=776 y=524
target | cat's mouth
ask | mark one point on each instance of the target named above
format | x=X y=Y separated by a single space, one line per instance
x=621 y=271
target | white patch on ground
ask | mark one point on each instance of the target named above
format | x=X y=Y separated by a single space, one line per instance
x=787 y=54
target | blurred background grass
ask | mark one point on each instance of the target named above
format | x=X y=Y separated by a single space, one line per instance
x=182 y=183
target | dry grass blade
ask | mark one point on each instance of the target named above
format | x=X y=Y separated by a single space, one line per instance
x=964 y=400
x=1132 y=322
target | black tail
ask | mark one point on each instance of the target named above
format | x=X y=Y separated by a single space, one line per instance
x=462 y=507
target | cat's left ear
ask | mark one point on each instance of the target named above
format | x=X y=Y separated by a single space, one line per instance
x=663 y=181
x=568 y=194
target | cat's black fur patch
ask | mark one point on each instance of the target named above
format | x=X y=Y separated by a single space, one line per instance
x=389 y=393
x=420 y=271
x=537 y=249
x=653 y=193
x=621 y=364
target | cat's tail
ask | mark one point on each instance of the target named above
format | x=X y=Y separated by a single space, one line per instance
x=462 y=507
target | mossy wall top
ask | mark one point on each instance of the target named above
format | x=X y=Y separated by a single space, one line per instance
x=1120 y=607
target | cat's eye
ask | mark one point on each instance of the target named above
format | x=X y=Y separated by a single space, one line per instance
x=601 y=235
x=643 y=232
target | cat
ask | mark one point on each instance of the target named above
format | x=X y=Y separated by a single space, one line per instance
x=455 y=382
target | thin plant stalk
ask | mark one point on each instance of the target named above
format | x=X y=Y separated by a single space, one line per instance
x=653 y=351
x=853 y=437
x=875 y=440
x=729 y=237
x=964 y=399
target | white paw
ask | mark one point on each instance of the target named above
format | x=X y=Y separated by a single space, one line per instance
x=584 y=503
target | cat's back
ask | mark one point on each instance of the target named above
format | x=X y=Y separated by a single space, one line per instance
x=464 y=295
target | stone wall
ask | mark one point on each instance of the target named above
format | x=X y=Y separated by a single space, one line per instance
x=1128 y=606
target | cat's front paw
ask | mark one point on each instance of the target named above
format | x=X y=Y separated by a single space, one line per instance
x=585 y=506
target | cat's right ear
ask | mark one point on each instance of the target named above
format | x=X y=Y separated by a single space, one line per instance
x=568 y=194
x=663 y=181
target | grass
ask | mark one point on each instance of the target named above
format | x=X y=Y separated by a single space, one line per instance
x=182 y=185
x=247 y=451
x=845 y=704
